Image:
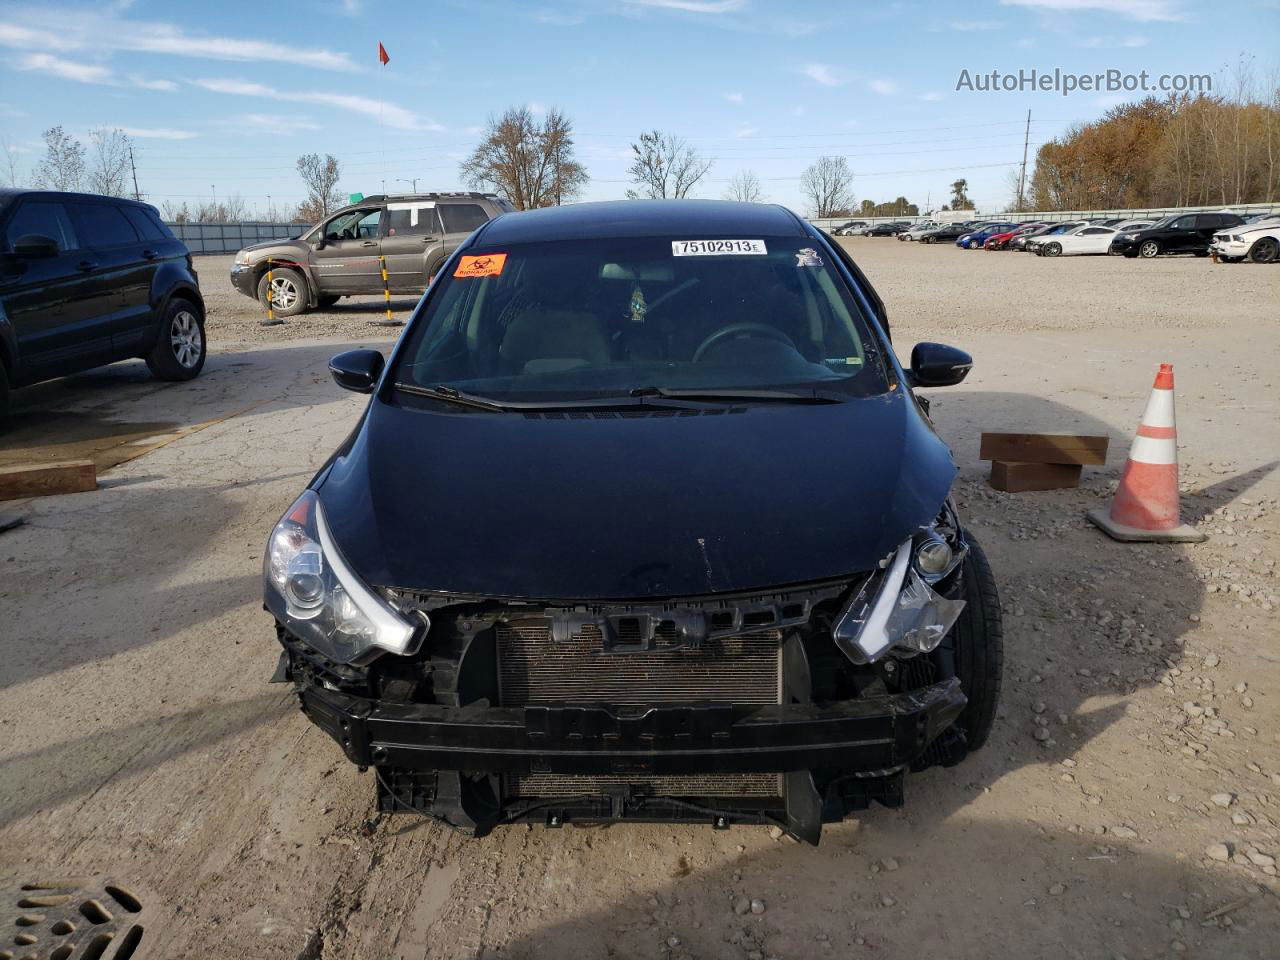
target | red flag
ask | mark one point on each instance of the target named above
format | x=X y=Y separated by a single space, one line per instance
x=382 y=54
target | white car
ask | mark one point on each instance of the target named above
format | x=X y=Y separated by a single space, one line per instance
x=913 y=232
x=1260 y=242
x=1090 y=238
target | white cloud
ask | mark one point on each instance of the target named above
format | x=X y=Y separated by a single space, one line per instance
x=693 y=6
x=388 y=114
x=159 y=133
x=353 y=8
x=733 y=97
x=555 y=18
x=107 y=32
x=826 y=75
x=274 y=122
x=1109 y=41
x=883 y=87
x=145 y=84
x=1142 y=10
x=746 y=131
x=66 y=69
x=975 y=26
x=797 y=111
x=537 y=108
x=931 y=96
x=1026 y=43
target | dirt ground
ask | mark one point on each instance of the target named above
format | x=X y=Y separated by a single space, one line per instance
x=140 y=741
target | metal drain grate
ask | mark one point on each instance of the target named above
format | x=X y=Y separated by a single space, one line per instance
x=70 y=920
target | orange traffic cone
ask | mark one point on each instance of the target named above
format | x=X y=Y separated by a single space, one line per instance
x=1145 y=506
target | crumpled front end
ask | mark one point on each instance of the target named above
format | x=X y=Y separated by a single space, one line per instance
x=789 y=707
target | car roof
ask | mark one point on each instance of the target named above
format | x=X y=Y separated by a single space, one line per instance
x=12 y=193
x=643 y=218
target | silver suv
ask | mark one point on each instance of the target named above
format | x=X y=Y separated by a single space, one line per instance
x=342 y=255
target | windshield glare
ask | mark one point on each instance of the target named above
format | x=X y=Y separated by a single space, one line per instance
x=584 y=320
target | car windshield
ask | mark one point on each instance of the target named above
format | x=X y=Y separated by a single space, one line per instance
x=582 y=320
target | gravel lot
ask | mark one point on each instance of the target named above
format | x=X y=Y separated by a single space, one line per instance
x=1128 y=804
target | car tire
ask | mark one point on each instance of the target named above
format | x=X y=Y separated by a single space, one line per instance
x=1052 y=249
x=180 y=348
x=1149 y=249
x=926 y=239
x=977 y=643
x=1264 y=250
x=327 y=301
x=290 y=292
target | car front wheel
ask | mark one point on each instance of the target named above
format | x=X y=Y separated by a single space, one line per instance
x=976 y=643
x=1149 y=249
x=287 y=291
x=1264 y=250
x=180 y=349
x=1052 y=249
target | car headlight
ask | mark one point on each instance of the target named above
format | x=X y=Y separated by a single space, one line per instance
x=315 y=594
x=897 y=607
x=242 y=259
x=1128 y=236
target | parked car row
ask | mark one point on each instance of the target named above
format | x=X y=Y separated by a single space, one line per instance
x=1226 y=235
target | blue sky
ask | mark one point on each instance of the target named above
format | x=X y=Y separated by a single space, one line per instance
x=222 y=97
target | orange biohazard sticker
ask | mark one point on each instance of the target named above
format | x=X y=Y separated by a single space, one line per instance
x=486 y=265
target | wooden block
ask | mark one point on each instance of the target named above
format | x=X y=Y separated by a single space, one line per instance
x=45 y=479
x=1015 y=477
x=1044 y=448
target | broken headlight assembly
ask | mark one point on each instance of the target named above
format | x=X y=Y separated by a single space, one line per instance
x=320 y=600
x=897 y=607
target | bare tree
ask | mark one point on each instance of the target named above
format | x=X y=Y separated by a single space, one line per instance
x=527 y=163
x=109 y=162
x=63 y=165
x=175 y=212
x=828 y=186
x=9 y=164
x=320 y=174
x=664 y=165
x=744 y=186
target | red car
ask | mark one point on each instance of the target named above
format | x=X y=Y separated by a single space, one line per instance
x=1000 y=241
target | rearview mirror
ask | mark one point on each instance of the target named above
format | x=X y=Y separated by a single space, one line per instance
x=357 y=370
x=32 y=246
x=938 y=365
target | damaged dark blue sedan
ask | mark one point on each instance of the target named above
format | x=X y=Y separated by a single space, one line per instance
x=644 y=521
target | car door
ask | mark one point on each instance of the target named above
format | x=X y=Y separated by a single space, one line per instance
x=1094 y=239
x=1180 y=235
x=460 y=220
x=52 y=303
x=347 y=261
x=1207 y=224
x=117 y=249
x=413 y=243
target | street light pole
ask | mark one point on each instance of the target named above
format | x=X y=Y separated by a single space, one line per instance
x=413 y=183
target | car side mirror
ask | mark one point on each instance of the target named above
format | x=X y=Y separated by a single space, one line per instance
x=32 y=246
x=357 y=370
x=317 y=243
x=938 y=365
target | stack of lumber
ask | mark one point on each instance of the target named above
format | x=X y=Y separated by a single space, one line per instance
x=1040 y=461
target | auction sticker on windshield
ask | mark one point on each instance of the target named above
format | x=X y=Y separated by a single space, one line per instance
x=711 y=248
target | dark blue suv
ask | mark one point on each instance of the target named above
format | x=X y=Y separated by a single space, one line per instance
x=87 y=280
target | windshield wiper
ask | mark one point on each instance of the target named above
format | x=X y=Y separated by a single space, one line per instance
x=731 y=395
x=452 y=395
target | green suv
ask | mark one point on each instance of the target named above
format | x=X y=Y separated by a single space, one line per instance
x=341 y=255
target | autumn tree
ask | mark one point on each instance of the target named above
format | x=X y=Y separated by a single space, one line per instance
x=664 y=165
x=744 y=186
x=827 y=184
x=109 y=165
x=62 y=167
x=320 y=175
x=527 y=163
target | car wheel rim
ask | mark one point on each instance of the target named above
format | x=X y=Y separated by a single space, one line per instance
x=1265 y=251
x=284 y=294
x=1150 y=249
x=185 y=339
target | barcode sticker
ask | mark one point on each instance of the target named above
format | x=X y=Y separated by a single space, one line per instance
x=715 y=248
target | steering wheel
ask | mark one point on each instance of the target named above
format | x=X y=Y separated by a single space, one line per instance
x=734 y=329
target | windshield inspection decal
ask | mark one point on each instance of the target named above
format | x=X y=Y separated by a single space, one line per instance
x=713 y=248
x=808 y=257
x=489 y=265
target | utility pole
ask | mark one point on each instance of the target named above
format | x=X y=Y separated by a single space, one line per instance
x=1022 y=174
x=134 y=169
x=412 y=182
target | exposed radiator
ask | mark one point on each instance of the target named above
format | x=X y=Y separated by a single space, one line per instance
x=533 y=668
x=689 y=785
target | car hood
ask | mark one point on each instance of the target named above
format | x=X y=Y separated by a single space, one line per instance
x=596 y=506
x=283 y=243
